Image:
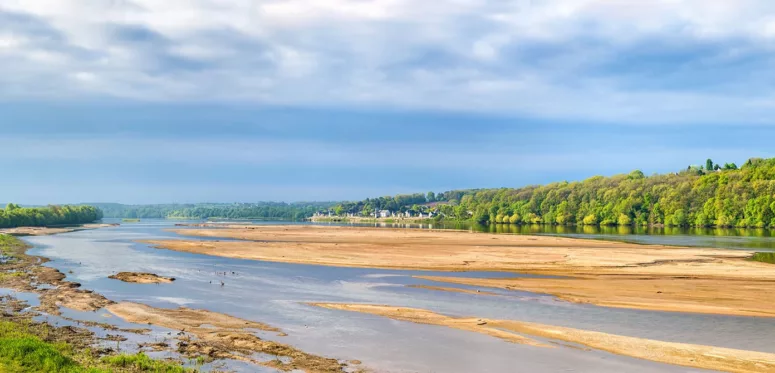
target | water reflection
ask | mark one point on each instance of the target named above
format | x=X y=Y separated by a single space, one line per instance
x=728 y=238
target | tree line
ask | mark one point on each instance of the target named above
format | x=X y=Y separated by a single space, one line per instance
x=259 y=210
x=701 y=196
x=13 y=215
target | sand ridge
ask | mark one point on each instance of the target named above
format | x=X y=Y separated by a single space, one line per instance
x=690 y=355
x=222 y=336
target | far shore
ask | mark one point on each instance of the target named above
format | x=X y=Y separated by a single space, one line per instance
x=604 y=273
x=47 y=231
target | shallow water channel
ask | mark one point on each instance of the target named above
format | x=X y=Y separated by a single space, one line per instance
x=275 y=293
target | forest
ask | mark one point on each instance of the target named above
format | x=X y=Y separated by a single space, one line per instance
x=259 y=210
x=13 y=216
x=701 y=196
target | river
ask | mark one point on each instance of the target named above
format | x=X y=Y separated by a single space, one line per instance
x=275 y=293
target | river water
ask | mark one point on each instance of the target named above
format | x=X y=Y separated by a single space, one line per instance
x=275 y=293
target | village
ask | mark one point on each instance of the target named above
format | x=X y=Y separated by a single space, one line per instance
x=414 y=213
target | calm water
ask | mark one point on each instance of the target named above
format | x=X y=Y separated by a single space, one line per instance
x=725 y=238
x=275 y=293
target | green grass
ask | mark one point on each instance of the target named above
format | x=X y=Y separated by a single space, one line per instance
x=764 y=257
x=23 y=350
x=142 y=363
x=8 y=244
x=129 y=220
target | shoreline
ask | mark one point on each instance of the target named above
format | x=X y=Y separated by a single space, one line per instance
x=204 y=335
x=47 y=231
x=603 y=273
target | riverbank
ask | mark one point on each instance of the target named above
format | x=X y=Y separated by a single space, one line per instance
x=603 y=273
x=689 y=355
x=45 y=231
x=199 y=335
x=31 y=346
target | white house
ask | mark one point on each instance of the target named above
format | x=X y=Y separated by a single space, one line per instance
x=384 y=213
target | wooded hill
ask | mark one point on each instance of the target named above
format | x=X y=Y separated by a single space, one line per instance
x=709 y=195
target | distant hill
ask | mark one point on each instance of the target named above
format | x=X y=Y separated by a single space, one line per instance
x=708 y=195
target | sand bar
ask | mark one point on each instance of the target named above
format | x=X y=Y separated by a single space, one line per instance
x=47 y=231
x=222 y=336
x=696 y=356
x=141 y=278
x=600 y=272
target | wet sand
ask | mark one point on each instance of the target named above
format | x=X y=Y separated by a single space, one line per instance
x=225 y=337
x=45 y=231
x=141 y=278
x=453 y=290
x=604 y=273
x=696 y=356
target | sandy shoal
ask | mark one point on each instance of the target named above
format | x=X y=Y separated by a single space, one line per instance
x=222 y=336
x=598 y=272
x=696 y=356
x=141 y=278
x=46 y=231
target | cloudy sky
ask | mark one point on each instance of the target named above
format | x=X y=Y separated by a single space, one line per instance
x=144 y=101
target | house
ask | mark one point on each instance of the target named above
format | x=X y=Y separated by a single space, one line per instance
x=384 y=213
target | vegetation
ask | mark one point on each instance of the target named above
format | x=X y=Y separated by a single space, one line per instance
x=30 y=346
x=701 y=196
x=15 y=216
x=260 y=210
x=764 y=257
x=26 y=346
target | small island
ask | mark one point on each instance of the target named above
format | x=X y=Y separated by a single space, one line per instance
x=141 y=278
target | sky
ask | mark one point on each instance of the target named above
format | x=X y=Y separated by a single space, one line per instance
x=145 y=101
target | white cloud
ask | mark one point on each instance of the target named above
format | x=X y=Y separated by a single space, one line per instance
x=588 y=60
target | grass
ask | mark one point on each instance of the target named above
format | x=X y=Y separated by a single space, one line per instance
x=142 y=363
x=130 y=220
x=764 y=257
x=7 y=275
x=10 y=244
x=23 y=350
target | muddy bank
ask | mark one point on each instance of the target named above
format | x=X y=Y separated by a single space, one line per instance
x=24 y=272
x=695 y=356
x=223 y=336
x=604 y=273
x=141 y=278
x=202 y=333
x=45 y=231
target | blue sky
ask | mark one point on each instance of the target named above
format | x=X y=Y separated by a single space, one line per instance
x=141 y=101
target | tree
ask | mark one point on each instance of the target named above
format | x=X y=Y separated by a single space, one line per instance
x=431 y=197
x=709 y=164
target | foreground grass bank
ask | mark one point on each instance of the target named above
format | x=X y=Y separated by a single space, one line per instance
x=27 y=346
x=30 y=346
